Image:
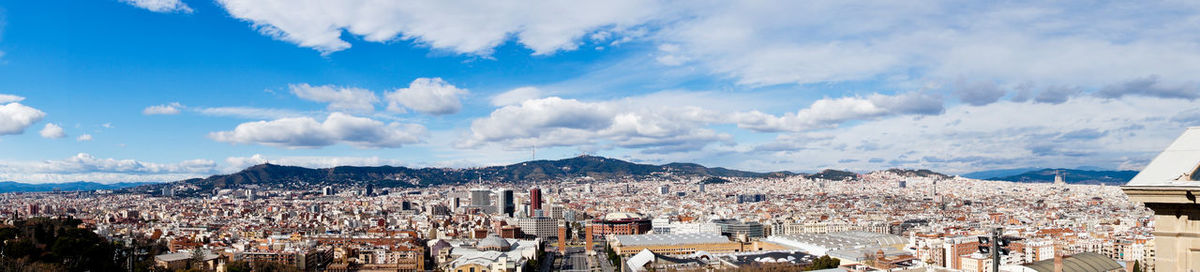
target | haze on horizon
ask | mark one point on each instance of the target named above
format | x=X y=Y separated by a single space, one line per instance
x=140 y=90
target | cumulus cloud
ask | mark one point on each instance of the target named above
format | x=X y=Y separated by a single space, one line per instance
x=432 y=96
x=84 y=138
x=52 y=131
x=306 y=132
x=87 y=167
x=830 y=112
x=165 y=109
x=8 y=98
x=163 y=6
x=15 y=117
x=339 y=98
x=1084 y=130
x=473 y=27
x=516 y=96
x=628 y=123
x=1151 y=86
x=238 y=163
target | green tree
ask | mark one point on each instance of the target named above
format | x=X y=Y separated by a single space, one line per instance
x=1137 y=266
x=823 y=262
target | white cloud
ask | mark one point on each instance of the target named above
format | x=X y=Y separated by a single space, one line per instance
x=15 y=118
x=1082 y=131
x=432 y=96
x=1052 y=43
x=239 y=163
x=471 y=27
x=306 y=132
x=52 y=131
x=339 y=98
x=8 y=98
x=627 y=123
x=165 y=109
x=163 y=6
x=516 y=96
x=84 y=138
x=828 y=112
x=86 y=167
x=249 y=112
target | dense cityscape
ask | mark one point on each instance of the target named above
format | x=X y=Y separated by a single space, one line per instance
x=883 y=220
x=599 y=136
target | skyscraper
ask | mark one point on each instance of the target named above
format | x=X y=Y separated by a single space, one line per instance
x=535 y=198
x=481 y=197
x=505 y=204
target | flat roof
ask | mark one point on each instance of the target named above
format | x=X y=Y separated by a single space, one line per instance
x=670 y=239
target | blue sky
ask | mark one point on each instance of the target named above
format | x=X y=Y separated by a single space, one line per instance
x=157 y=90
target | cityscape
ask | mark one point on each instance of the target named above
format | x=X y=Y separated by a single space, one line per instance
x=599 y=136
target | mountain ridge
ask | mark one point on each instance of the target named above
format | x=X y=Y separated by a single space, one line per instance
x=1073 y=176
x=584 y=166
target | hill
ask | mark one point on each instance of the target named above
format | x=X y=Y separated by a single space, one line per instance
x=1073 y=176
x=11 y=186
x=830 y=174
x=279 y=176
x=988 y=174
x=923 y=173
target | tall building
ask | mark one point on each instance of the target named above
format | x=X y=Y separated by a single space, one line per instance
x=505 y=204
x=701 y=187
x=481 y=197
x=535 y=198
x=665 y=189
x=1168 y=186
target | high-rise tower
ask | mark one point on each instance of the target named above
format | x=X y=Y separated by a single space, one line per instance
x=535 y=199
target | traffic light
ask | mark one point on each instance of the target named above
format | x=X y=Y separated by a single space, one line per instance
x=985 y=249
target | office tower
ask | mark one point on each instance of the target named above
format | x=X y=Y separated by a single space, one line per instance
x=327 y=190
x=535 y=198
x=702 y=187
x=481 y=197
x=505 y=204
x=665 y=189
x=370 y=191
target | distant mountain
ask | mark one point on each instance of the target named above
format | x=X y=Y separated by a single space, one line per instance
x=278 y=176
x=987 y=174
x=11 y=186
x=921 y=173
x=714 y=180
x=830 y=174
x=1073 y=176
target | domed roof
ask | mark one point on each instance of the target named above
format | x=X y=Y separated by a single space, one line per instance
x=621 y=216
x=493 y=242
x=439 y=245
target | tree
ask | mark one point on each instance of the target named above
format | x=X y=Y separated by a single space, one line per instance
x=238 y=266
x=823 y=262
x=1137 y=266
x=198 y=258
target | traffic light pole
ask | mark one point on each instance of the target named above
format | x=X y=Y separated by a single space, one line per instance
x=996 y=233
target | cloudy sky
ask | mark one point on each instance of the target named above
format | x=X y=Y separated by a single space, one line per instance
x=159 y=90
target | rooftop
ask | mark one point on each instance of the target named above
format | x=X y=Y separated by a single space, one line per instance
x=1086 y=261
x=1176 y=166
x=670 y=239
